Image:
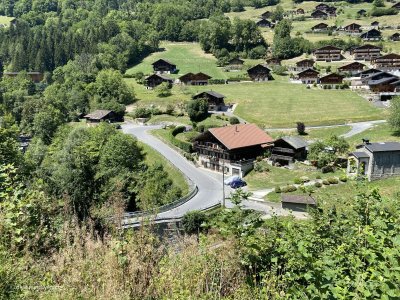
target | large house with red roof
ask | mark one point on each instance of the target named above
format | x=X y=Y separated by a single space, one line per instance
x=231 y=148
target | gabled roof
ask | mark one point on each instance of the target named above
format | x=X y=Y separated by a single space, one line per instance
x=353 y=24
x=388 y=56
x=162 y=76
x=367 y=46
x=163 y=60
x=379 y=75
x=354 y=65
x=359 y=154
x=328 y=47
x=374 y=23
x=332 y=75
x=300 y=199
x=263 y=66
x=197 y=76
x=294 y=141
x=372 y=32
x=240 y=136
x=186 y=76
x=211 y=93
x=383 y=147
x=305 y=61
x=320 y=25
x=383 y=80
x=319 y=12
x=369 y=71
x=309 y=70
x=98 y=114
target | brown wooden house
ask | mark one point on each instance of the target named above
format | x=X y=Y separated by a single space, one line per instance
x=320 y=27
x=215 y=100
x=331 y=79
x=362 y=13
x=328 y=53
x=331 y=11
x=366 y=52
x=319 y=14
x=396 y=6
x=266 y=15
x=156 y=79
x=304 y=64
x=288 y=149
x=101 y=116
x=259 y=72
x=36 y=77
x=163 y=66
x=231 y=149
x=352 y=28
x=352 y=68
x=371 y=35
x=384 y=85
x=265 y=23
x=195 y=79
x=388 y=62
x=374 y=75
x=235 y=63
x=322 y=6
x=273 y=61
x=395 y=37
x=375 y=24
x=308 y=76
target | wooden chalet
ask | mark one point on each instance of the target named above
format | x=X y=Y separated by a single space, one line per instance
x=320 y=27
x=319 y=14
x=388 y=62
x=384 y=85
x=374 y=75
x=366 y=52
x=156 y=79
x=101 y=116
x=328 y=53
x=352 y=28
x=322 y=7
x=195 y=79
x=259 y=72
x=331 y=79
x=304 y=64
x=273 y=61
x=266 y=15
x=395 y=37
x=308 y=76
x=362 y=13
x=163 y=66
x=298 y=203
x=288 y=149
x=36 y=77
x=352 y=68
x=300 y=11
x=215 y=100
x=375 y=24
x=231 y=149
x=235 y=63
x=396 y=6
x=265 y=23
x=371 y=35
x=331 y=11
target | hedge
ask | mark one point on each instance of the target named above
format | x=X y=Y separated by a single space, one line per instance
x=185 y=146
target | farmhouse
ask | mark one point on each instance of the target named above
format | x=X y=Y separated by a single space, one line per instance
x=396 y=6
x=299 y=203
x=266 y=15
x=308 y=76
x=371 y=35
x=231 y=149
x=156 y=79
x=375 y=24
x=320 y=27
x=304 y=64
x=374 y=76
x=300 y=11
x=352 y=68
x=319 y=14
x=273 y=61
x=352 y=28
x=331 y=79
x=328 y=53
x=362 y=13
x=331 y=11
x=384 y=85
x=375 y=160
x=101 y=115
x=259 y=72
x=322 y=6
x=388 y=62
x=366 y=52
x=288 y=149
x=36 y=77
x=265 y=23
x=395 y=37
x=163 y=66
x=195 y=79
x=215 y=100
x=235 y=63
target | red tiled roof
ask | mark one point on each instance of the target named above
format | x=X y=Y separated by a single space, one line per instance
x=240 y=136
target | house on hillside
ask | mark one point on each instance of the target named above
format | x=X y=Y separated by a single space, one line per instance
x=156 y=79
x=300 y=11
x=371 y=35
x=162 y=66
x=101 y=116
x=259 y=72
x=366 y=52
x=388 y=62
x=265 y=23
x=322 y=6
x=320 y=27
x=331 y=79
x=331 y=11
x=266 y=15
x=395 y=37
x=288 y=149
x=235 y=63
x=362 y=13
x=299 y=203
x=375 y=160
x=374 y=75
x=308 y=76
x=273 y=62
x=385 y=85
x=352 y=68
x=304 y=64
x=215 y=100
x=319 y=14
x=352 y=28
x=36 y=77
x=231 y=149
x=194 y=79
x=396 y=6
x=375 y=24
x=328 y=53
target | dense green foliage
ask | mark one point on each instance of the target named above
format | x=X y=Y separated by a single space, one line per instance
x=326 y=152
x=394 y=116
x=197 y=109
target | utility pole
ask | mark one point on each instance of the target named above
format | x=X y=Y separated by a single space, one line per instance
x=223 y=181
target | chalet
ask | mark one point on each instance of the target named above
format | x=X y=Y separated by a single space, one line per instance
x=320 y=27
x=163 y=66
x=322 y=7
x=375 y=160
x=259 y=72
x=384 y=85
x=273 y=61
x=362 y=13
x=288 y=149
x=388 y=62
x=366 y=52
x=215 y=100
x=300 y=11
x=304 y=64
x=352 y=28
x=195 y=79
x=371 y=35
x=156 y=79
x=331 y=79
x=352 y=68
x=36 y=77
x=101 y=116
x=299 y=203
x=265 y=23
x=328 y=53
x=374 y=76
x=308 y=76
x=231 y=149
x=360 y=80
x=375 y=24
x=396 y=6
x=235 y=63
x=331 y=11
x=266 y=15
x=319 y=14
x=369 y=72
x=395 y=37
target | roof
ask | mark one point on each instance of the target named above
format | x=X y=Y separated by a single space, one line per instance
x=264 y=66
x=211 y=93
x=163 y=60
x=304 y=61
x=160 y=76
x=98 y=114
x=295 y=141
x=369 y=32
x=320 y=12
x=360 y=154
x=308 y=71
x=382 y=80
x=352 y=24
x=328 y=47
x=367 y=46
x=389 y=56
x=383 y=147
x=301 y=199
x=354 y=64
x=334 y=75
x=319 y=25
x=240 y=136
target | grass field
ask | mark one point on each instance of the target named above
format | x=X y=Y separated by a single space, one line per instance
x=313 y=134
x=378 y=133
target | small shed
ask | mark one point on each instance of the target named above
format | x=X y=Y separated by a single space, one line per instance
x=288 y=149
x=215 y=100
x=101 y=115
x=299 y=203
x=163 y=66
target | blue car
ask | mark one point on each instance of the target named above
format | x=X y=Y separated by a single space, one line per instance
x=237 y=184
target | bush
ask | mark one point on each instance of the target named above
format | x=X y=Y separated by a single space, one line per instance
x=142 y=113
x=289 y=189
x=381 y=11
x=318 y=184
x=297 y=181
x=260 y=167
x=327 y=169
x=200 y=128
x=216 y=81
x=304 y=179
x=318 y=177
x=325 y=182
x=192 y=221
x=163 y=89
x=233 y=120
x=197 y=109
x=343 y=178
x=301 y=128
x=333 y=180
x=278 y=190
x=169 y=110
x=185 y=146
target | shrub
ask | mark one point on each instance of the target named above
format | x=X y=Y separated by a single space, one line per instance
x=327 y=169
x=297 y=181
x=278 y=190
x=301 y=128
x=163 y=90
x=260 y=167
x=259 y=158
x=318 y=177
x=142 y=113
x=343 y=178
x=169 y=110
x=233 y=120
x=192 y=221
x=304 y=179
x=333 y=180
x=289 y=189
x=197 y=109
x=325 y=182
x=318 y=184
x=200 y=128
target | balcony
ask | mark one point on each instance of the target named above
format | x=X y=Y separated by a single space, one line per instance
x=282 y=150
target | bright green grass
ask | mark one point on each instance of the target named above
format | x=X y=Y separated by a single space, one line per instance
x=378 y=133
x=6 y=20
x=152 y=157
x=313 y=134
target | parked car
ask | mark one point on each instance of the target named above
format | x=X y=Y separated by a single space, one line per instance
x=231 y=179
x=238 y=184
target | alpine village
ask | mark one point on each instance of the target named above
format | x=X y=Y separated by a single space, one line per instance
x=199 y=149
